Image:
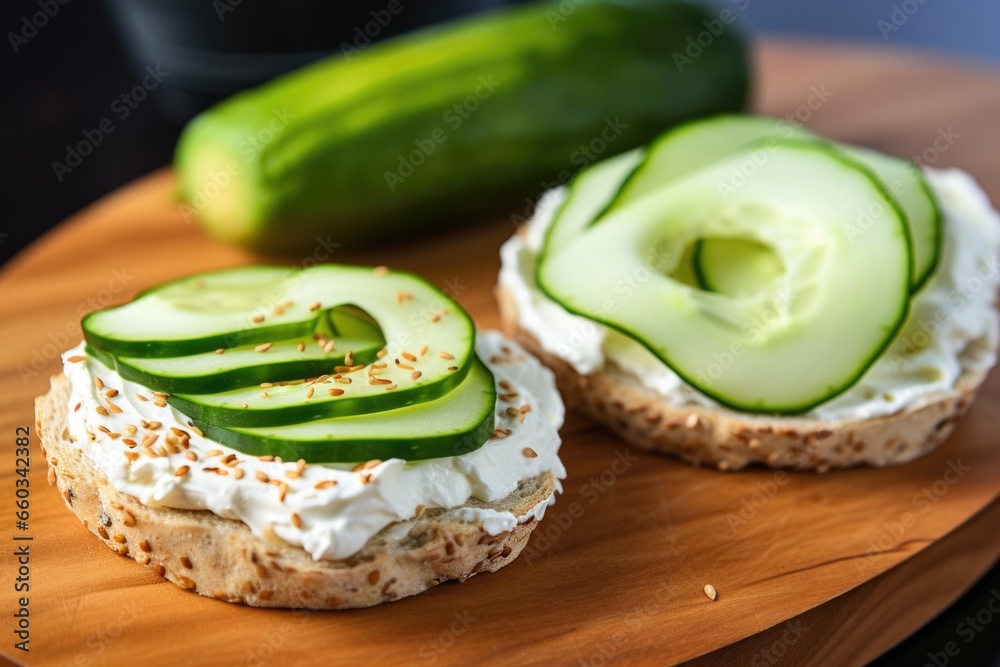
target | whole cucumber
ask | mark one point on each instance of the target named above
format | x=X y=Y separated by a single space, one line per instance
x=455 y=120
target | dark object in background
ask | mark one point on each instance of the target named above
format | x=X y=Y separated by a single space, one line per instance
x=213 y=48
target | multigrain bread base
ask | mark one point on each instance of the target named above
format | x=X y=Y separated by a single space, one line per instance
x=222 y=558
x=730 y=440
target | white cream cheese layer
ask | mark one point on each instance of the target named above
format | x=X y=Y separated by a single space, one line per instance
x=336 y=519
x=954 y=311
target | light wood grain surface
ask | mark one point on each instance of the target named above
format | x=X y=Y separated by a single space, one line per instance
x=815 y=568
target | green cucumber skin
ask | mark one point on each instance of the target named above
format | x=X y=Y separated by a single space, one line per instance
x=342 y=125
x=351 y=451
x=404 y=445
x=228 y=380
x=325 y=408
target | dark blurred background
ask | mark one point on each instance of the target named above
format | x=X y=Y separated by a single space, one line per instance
x=68 y=63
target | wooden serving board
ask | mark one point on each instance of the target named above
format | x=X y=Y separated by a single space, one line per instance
x=809 y=568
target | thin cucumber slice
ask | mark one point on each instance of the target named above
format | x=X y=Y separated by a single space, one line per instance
x=700 y=143
x=913 y=193
x=244 y=366
x=385 y=384
x=804 y=339
x=590 y=191
x=457 y=423
x=259 y=305
x=735 y=266
x=697 y=144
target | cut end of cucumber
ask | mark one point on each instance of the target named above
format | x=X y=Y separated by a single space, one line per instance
x=216 y=185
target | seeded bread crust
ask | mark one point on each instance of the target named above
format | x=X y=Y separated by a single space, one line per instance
x=729 y=440
x=222 y=558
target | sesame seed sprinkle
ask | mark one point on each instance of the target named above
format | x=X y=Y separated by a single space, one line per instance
x=710 y=592
x=181 y=471
x=446 y=355
x=263 y=347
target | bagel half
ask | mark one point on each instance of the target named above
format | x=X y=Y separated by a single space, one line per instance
x=222 y=558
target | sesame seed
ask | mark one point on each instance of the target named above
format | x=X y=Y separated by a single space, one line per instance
x=415 y=375
x=99 y=383
x=149 y=439
x=328 y=348
x=186 y=583
x=710 y=591
x=228 y=458
x=220 y=351
x=301 y=346
x=263 y=347
x=375 y=380
x=77 y=407
x=404 y=366
x=423 y=350
x=262 y=477
x=266 y=385
x=144 y=545
x=190 y=456
x=186 y=562
x=296 y=520
x=195 y=429
x=325 y=483
x=266 y=458
x=129 y=442
x=530 y=453
x=153 y=425
x=349 y=358
x=141 y=398
x=446 y=355
x=160 y=403
x=525 y=409
x=373 y=577
x=504 y=384
x=213 y=452
x=435 y=317
x=381 y=271
x=75 y=359
x=101 y=410
x=119 y=538
x=257 y=319
x=130 y=429
x=309 y=394
x=513 y=412
x=409 y=357
x=315 y=306
x=111 y=393
x=419 y=511
x=300 y=465
x=131 y=456
x=391 y=387
x=264 y=394
x=344 y=380
x=381 y=353
x=336 y=392
x=183 y=470
x=238 y=473
x=128 y=518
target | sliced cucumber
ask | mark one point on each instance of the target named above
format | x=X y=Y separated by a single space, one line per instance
x=590 y=191
x=697 y=144
x=390 y=382
x=244 y=366
x=457 y=423
x=258 y=305
x=735 y=266
x=386 y=374
x=803 y=339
